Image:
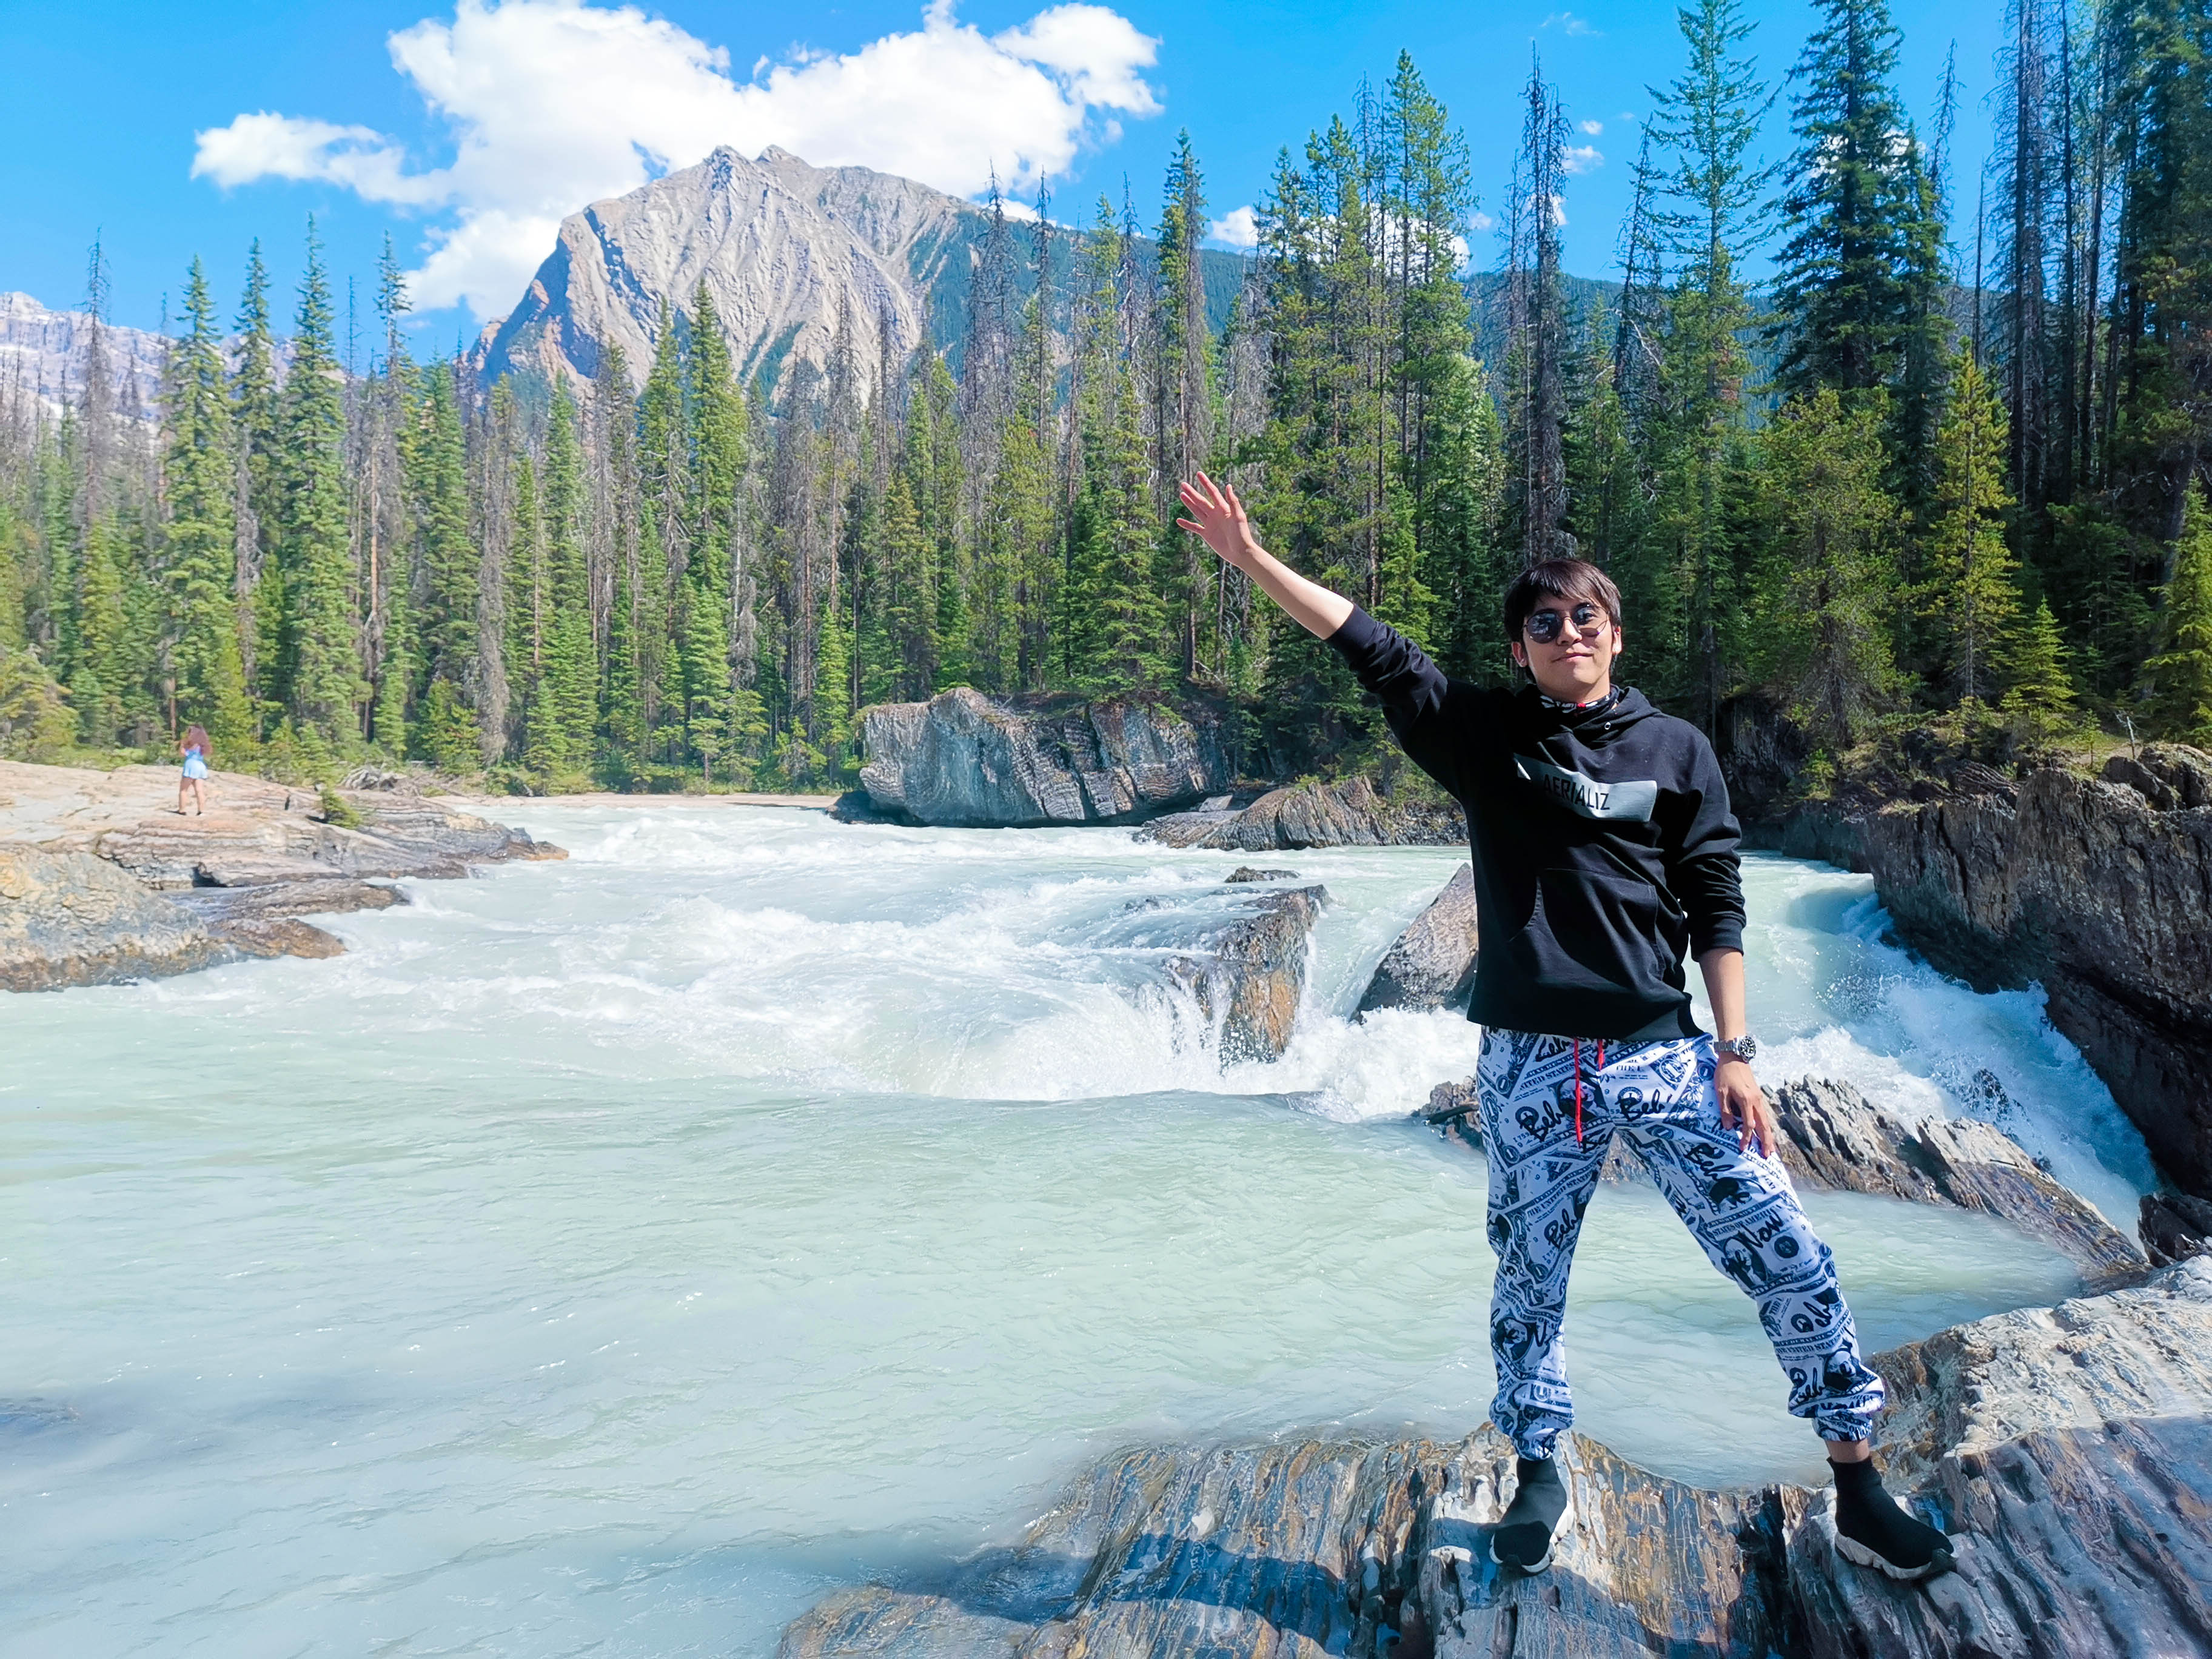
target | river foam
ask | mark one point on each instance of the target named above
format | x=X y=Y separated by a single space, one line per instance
x=613 y=1255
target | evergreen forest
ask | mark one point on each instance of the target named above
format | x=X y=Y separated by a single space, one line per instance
x=1949 y=462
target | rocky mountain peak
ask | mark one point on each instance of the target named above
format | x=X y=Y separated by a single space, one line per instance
x=785 y=249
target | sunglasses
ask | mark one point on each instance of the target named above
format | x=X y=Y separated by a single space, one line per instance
x=1545 y=626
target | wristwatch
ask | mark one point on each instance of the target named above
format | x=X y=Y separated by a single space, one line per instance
x=1742 y=1048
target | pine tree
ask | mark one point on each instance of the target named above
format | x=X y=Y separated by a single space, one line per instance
x=2182 y=672
x=202 y=534
x=563 y=711
x=1851 y=271
x=717 y=448
x=100 y=665
x=1826 y=587
x=2041 y=699
x=529 y=615
x=1709 y=117
x=1970 y=596
x=436 y=466
x=320 y=683
x=260 y=511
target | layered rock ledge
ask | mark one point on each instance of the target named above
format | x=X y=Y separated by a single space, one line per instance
x=2066 y=1449
x=101 y=880
x=965 y=760
x=2100 y=889
x=1347 y=814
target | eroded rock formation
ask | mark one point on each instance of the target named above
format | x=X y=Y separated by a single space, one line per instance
x=1833 y=1140
x=968 y=761
x=1250 y=973
x=1347 y=814
x=100 y=881
x=2066 y=1449
x=2102 y=890
x=1432 y=964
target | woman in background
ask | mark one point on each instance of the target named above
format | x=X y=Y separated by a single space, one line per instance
x=197 y=748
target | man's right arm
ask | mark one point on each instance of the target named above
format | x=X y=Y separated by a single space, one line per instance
x=1218 y=520
x=1411 y=689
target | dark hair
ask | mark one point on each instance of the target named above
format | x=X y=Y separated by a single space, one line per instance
x=1557 y=579
x=196 y=737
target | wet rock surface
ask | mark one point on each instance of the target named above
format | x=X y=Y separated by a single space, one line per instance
x=1347 y=814
x=1432 y=964
x=2102 y=889
x=113 y=885
x=72 y=919
x=965 y=760
x=1833 y=1140
x=2066 y=1449
x=1250 y=972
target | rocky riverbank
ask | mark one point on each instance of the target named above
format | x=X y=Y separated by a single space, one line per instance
x=2097 y=887
x=2066 y=1449
x=101 y=880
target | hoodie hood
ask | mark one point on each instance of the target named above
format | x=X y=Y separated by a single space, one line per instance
x=1593 y=727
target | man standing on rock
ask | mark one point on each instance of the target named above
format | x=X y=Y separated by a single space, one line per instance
x=1603 y=849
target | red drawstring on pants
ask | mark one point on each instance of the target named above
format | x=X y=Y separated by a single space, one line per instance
x=1578 y=1084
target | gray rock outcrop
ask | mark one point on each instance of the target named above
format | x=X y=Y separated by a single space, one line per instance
x=968 y=761
x=1833 y=1140
x=2066 y=1449
x=1248 y=977
x=97 y=882
x=1346 y=814
x=1432 y=964
x=2102 y=890
x=72 y=919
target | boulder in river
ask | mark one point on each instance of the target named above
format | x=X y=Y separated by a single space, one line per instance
x=2067 y=1450
x=1834 y=1140
x=2102 y=890
x=968 y=761
x=1249 y=975
x=1346 y=814
x=1432 y=964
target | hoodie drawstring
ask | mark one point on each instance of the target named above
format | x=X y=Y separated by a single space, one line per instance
x=1578 y=1082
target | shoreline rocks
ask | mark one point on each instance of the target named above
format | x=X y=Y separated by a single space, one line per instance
x=2067 y=1450
x=100 y=881
x=2100 y=892
x=1432 y=964
x=1346 y=814
x=963 y=760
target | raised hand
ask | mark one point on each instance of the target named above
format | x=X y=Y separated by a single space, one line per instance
x=1217 y=518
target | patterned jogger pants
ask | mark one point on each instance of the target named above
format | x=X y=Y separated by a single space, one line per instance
x=1739 y=1206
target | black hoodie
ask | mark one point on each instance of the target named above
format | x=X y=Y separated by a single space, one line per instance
x=1602 y=841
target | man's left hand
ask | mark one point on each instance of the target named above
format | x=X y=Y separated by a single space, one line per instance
x=1743 y=1106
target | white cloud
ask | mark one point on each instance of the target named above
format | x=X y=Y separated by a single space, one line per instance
x=1593 y=128
x=1480 y=221
x=1581 y=158
x=1239 y=228
x=1568 y=23
x=554 y=104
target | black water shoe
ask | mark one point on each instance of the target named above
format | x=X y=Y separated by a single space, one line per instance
x=1875 y=1530
x=1523 y=1538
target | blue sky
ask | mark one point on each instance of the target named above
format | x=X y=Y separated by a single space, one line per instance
x=501 y=115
